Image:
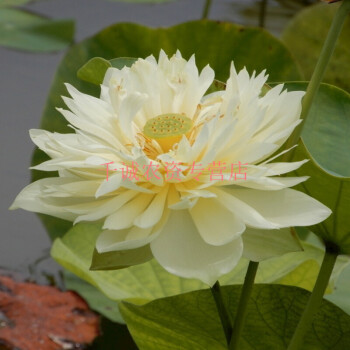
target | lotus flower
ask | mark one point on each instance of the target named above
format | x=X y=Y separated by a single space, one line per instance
x=191 y=180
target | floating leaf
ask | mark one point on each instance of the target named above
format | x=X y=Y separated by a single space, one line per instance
x=303 y=276
x=327 y=128
x=26 y=31
x=327 y=145
x=150 y=281
x=334 y=192
x=305 y=36
x=191 y=322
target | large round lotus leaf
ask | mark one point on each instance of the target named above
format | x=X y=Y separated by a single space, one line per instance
x=27 y=31
x=305 y=35
x=150 y=281
x=191 y=322
x=212 y=42
x=327 y=145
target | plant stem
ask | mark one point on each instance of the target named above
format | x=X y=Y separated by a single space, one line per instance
x=318 y=74
x=262 y=13
x=220 y=305
x=243 y=303
x=315 y=299
x=206 y=9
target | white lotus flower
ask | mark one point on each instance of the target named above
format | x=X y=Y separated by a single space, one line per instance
x=193 y=184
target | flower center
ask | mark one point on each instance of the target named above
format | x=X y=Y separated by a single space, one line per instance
x=167 y=129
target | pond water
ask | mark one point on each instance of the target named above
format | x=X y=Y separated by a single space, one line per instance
x=24 y=85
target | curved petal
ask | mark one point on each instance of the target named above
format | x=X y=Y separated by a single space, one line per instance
x=249 y=215
x=264 y=244
x=110 y=206
x=124 y=217
x=132 y=238
x=274 y=183
x=154 y=211
x=181 y=250
x=216 y=224
x=284 y=207
x=279 y=168
x=116 y=240
x=32 y=198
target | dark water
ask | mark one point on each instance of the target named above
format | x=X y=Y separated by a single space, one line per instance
x=24 y=85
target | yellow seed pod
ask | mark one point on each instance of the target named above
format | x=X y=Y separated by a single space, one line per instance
x=167 y=129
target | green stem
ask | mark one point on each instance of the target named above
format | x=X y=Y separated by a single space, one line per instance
x=243 y=303
x=315 y=299
x=262 y=13
x=220 y=305
x=206 y=9
x=318 y=74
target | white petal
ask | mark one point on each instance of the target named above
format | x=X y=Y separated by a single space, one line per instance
x=111 y=206
x=216 y=224
x=132 y=238
x=154 y=211
x=127 y=110
x=260 y=244
x=116 y=240
x=125 y=216
x=41 y=138
x=88 y=106
x=282 y=168
x=247 y=213
x=251 y=153
x=273 y=183
x=115 y=182
x=31 y=198
x=181 y=251
x=284 y=207
x=109 y=185
x=90 y=128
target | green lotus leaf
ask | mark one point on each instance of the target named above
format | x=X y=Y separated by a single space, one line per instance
x=326 y=143
x=191 y=322
x=150 y=281
x=27 y=31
